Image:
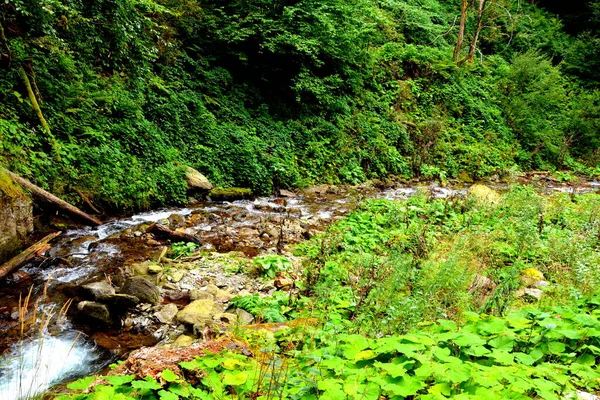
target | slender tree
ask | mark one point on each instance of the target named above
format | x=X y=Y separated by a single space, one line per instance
x=461 y=29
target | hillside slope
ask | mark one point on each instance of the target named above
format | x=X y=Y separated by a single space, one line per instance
x=115 y=97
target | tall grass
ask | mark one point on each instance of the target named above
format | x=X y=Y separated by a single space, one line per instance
x=39 y=357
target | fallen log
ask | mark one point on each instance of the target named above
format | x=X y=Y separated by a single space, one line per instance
x=26 y=255
x=49 y=198
x=174 y=236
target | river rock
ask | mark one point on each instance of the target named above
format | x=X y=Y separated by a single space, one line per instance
x=141 y=288
x=531 y=276
x=176 y=276
x=95 y=290
x=199 y=294
x=183 y=341
x=143 y=268
x=199 y=312
x=244 y=317
x=226 y=318
x=176 y=221
x=286 y=193
x=95 y=313
x=167 y=313
x=120 y=302
x=154 y=269
x=196 y=181
x=16 y=217
x=484 y=193
x=529 y=294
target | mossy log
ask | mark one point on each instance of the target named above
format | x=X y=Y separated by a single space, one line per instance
x=26 y=255
x=52 y=200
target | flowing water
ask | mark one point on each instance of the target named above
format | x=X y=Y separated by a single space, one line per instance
x=60 y=352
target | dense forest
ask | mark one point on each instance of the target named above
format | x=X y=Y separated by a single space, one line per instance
x=113 y=98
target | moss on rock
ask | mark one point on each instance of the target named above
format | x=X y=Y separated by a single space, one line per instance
x=229 y=194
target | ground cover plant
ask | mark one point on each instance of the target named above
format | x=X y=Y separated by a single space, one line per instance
x=389 y=309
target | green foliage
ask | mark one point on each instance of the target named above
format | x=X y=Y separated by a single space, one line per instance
x=387 y=266
x=181 y=249
x=271 y=265
x=275 y=95
x=273 y=308
x=530 y=353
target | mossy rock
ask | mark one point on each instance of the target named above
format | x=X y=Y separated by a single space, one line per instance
x=230 y=194
x=484 y=194
x=9 y=188
x=530 y=276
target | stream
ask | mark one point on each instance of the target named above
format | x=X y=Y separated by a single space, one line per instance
x=46 y=345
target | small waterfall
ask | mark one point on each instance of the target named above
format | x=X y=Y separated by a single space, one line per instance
x=32 y=366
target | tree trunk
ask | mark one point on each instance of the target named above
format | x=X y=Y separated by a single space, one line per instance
x=54 y=201
x=33 y=100
x=174 y=236
x=473 y=46
x=25 y=256
x=461 y=29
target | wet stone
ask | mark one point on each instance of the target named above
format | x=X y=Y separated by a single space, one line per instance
x=94 y=313
x=142 y=288
x=176 y=276
x=95 y=290
x=120 y=302
x=244 y=317
x=154 y=269
x=199 y=312
x=167 y=313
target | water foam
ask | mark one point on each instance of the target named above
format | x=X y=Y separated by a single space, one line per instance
x=32 y=367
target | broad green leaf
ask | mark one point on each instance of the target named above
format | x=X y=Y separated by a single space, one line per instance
x=149 y=384
x=235 y=379
x=443 y=354
x=365 y=355
x=329 y=383
x=586 y=359
x=525 y=359
x=118 y=380
x=556 y=347
x=502 y=357
x=502 y=343
x=458 y=373
x=169 y=376
x=464 y=339
x=441 y=389
x=164 y=395
x=394 y=370
x=180 y=390
x=232 y=363
x=476 y=351
x=408 y=386
x=81 y=383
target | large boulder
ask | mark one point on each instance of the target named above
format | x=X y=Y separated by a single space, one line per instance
x=484 y=193
x=95 y=290
x=16 y=217
x=199 y=312
x=196 y=181
x=94 y=313
x=141 y=288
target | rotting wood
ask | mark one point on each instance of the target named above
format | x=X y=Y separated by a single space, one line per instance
x=54 y=201
x=174 y=236
x=26 y=255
